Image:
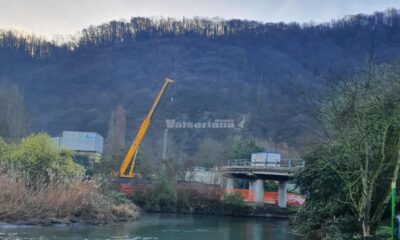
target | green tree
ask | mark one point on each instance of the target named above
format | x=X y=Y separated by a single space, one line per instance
x=362 y=152
x=324 y=216
x=143 y=166
x=243 y=149
x=163 y=196
x=37 y=159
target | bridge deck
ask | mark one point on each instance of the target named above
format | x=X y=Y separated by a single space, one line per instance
x=245 y=169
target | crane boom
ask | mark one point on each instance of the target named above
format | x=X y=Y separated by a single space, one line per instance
x=130 y=156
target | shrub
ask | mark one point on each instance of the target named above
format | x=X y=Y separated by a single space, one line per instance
x=162 y=198
x=318 y=221
x=234 y=198
x=199 y=200
x=233 y=204
x=40 y=181
x=38 y=160
x=57 y=200
x=118 y=197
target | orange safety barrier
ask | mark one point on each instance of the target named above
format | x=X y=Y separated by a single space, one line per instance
x=270 y=197
x=248 y=195
x=125 y=188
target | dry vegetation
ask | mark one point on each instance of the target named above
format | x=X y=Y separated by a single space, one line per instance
x=59 y=203
x=41 y=184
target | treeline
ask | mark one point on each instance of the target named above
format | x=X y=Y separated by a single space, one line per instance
x=149 y=28
x=34 y=46
x=140 y=28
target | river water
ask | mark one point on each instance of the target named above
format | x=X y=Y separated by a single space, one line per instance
x=163 y=227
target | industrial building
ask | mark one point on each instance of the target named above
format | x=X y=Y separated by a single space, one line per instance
x=87 y=147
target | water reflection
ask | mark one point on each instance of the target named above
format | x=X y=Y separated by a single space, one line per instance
x=163 y=226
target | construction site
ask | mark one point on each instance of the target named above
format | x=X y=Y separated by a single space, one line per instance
x=176 y=120
x=244 y=177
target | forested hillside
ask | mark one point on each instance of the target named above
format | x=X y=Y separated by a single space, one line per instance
x=267 y=75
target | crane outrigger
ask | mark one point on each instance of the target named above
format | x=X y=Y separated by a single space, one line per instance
x=130 y=157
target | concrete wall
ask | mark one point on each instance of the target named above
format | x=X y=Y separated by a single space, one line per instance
x=202 y=175
x=80 y=141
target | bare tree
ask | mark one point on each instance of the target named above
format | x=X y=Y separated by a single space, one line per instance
x=14 y=120
x=115 y=141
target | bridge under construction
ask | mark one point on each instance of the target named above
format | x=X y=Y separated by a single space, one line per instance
x=257 y=172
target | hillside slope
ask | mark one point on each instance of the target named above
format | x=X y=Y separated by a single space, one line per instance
x=261 y=74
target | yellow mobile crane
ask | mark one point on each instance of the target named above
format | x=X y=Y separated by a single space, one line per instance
x=130 y=157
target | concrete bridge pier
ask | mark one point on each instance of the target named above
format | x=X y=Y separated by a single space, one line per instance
x=282 y=192
x=256 y=188
x=259 y=191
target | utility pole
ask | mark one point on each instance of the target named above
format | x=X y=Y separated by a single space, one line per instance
x=393 y=188
x=164 y=153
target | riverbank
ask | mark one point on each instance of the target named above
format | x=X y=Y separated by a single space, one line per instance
x=41 y=184
x=61 y=203
x=204 y=200
x=44 y=221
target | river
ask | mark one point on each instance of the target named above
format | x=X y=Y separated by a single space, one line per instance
x=163 y=227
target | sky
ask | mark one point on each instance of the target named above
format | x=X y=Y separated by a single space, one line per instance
x=51 y=18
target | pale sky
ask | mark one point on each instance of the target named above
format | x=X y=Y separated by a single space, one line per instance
x=53 y=17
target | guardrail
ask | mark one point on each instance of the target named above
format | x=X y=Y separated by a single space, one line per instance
x=292 y=163
x=239 y=162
